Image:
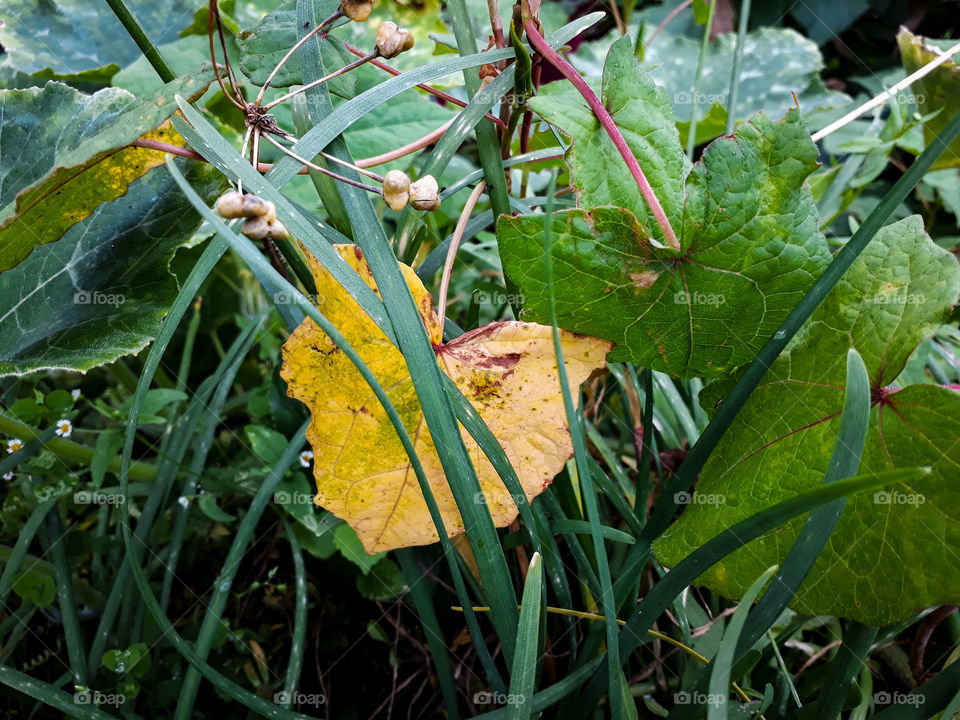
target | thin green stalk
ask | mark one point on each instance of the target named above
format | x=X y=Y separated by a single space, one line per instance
x=704 y=45
x=298 y=640
x=523 y=674
x=49 y=695
x=55 y=538
x=845 y=665
x=735 y=72
x=69 y=450
x=139 y=36
x=221 y=586
x=615 y=697
x=489 y=148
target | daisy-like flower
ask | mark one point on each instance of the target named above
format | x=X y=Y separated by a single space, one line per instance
x=8 y=475
x=64 y=427
x=75 y=393
x=14 y=445
x=305 y=457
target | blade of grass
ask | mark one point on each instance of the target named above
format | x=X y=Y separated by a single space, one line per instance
x=488 y=146
x=423 y=602
x=298 y=640
x=523 y=674
x=54 y=536
x=735 y=71
x=608 y=605
x=846 y=664
x=721 y=664
x=49 y=695
x=251 y=256
x=844 y=462
x=701 y=59
x=224 y=582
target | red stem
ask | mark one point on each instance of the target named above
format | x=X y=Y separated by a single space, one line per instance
x=568 y=71
x=432 y=90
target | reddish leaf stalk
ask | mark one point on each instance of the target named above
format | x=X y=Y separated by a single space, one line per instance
x=606 y=120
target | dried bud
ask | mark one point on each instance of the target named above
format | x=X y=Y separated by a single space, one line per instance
x=254 y=206
x=256 y=228
x=271 y=214
x=396 y=187
x=230 y=205
x=357 y=10
x=276 y=230
x=424 y=193
x=392 y=40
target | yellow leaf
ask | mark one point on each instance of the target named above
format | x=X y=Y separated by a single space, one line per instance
x=507 y=370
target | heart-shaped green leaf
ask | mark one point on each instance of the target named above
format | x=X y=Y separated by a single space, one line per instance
x=747 y=225
x=890 y=552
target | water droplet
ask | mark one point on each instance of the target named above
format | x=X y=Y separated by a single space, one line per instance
x=779 y=334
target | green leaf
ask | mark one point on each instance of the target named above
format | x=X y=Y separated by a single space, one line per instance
x=776 y=64
x=72 y=36
x=266 y=444
x=134 y=660
x=351 y=548
x=747 y=223
x=208 y=506
x=899 y=291
x=383 y=582
x=523 y=675
x=36 y=587
x=103 y=289
x=262 y=47
x=63 y=153
x=935 y=91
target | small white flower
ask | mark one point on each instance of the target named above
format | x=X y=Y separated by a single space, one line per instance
x=75 y=393
x=183 y=500
x=14 y=445
x=64 y=427
x=305 y=457
x=8 y=476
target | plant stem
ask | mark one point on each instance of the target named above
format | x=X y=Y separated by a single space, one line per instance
x=337 y=14
x=735 y=73
x=313 y=166
x=422 y=86
x=319 y=81
x=69 y=450
x=884 y=96
x=139 y=36
x=455 y=243
x=704 y=45
x=606 y=120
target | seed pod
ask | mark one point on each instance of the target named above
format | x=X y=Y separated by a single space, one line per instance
x=230 y=205
x=357 y=10
x=254 y=206
x=396 y=187
x=276 y=230
x=256 y=228
x=424 y=193
x=271 y=214
x=392 y=40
